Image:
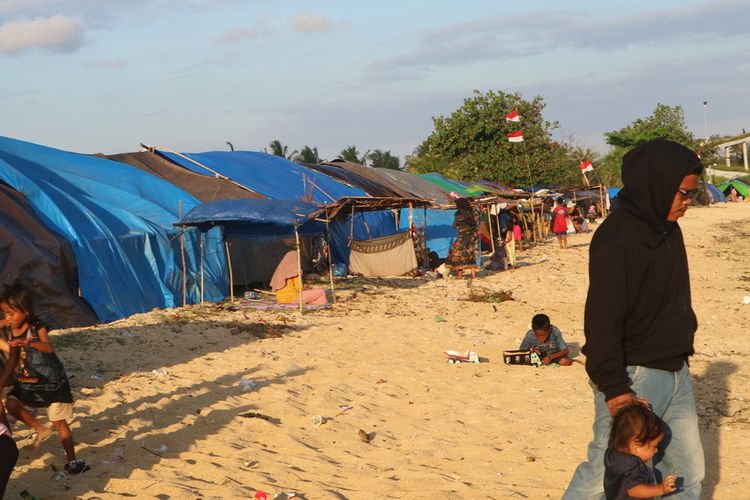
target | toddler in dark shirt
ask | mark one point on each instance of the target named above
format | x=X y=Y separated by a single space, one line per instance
x=633 y=441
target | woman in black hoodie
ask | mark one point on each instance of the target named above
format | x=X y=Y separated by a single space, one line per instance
x=639 y=322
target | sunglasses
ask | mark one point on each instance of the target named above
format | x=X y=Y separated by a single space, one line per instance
x=688 y=195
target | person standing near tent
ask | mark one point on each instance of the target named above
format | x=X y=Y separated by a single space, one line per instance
x=510 y=245
x=463 y=253
x=288 y=285
x=560 y=222
x=638 y=322
x=39 y=379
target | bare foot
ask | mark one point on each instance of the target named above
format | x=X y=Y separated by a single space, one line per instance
x=42 y=434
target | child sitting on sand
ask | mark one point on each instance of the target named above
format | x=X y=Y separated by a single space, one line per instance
x=546 y=340
x=633 y=441
x=38 y=375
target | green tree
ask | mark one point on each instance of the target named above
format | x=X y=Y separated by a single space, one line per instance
x=280 y=150
x=308 y=155
x=351 y=153
x=472 y=143
x=384 y=159
x=665 y=122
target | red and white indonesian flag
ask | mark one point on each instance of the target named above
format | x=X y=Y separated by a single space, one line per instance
x=586 y=166
x=515 y=136
x=513 y=116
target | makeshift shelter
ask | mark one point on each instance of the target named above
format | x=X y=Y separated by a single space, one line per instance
x=715 y=194
x=254 y=257
x=43 y=261
x=373 y=176
x=118 y=220
x=272 y=218
x=448 y=185
x=355 y=177
x=200 y=186
x=281 y=179
x=742 y=187
x=393 y=255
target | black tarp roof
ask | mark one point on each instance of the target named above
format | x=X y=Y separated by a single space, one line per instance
x=43 y=261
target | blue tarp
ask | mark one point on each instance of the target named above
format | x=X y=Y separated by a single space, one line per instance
x=119 y=221
x=281 y=179
x=613 y=192
x=440 y=231
x=716 y=195
x=269 y=175
x=256 y=216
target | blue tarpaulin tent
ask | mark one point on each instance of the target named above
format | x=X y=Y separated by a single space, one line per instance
x=269 y=175
x=281 y=179
x=256 y=216
x=119 y=221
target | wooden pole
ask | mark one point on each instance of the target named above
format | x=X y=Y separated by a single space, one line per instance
x=489 y=225
x=497 y=220
x=231 y=275
x=202 y=278
x=330 y=259
x=299 y=267
x=182 y=253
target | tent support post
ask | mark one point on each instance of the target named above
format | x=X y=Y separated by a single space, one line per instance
x=202 y=274
x=182 y=253
x=489 y=224
x=330 y=258
x=497 y=220
x=299 y=266
x=231 y=275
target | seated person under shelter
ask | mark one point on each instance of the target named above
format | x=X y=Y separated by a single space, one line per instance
x=546 y=340
x=287 y=283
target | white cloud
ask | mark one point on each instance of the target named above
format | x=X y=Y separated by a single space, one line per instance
x=309 y=22
x=501 y=38
x=56 y=33
x=258 y=30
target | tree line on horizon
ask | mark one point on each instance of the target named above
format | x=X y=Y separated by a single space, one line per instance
x=472 y=144
x=376 y=158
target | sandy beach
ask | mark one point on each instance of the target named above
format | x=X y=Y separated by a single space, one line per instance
x=162 y=411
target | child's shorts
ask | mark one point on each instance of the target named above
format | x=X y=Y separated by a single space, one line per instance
x=57 y=411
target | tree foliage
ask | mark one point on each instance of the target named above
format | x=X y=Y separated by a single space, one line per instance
x=351 y=153
x=279 y=149
x=308 y=155
x=472 y=144
x=384 y=159
x=665 y=122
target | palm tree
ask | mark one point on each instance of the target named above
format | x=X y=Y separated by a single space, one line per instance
x=280 y=150
x=384 y=159
x=352 y=154
x=307 y=155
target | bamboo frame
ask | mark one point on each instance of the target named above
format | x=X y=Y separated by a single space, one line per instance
x=299 y=267
x=231 y=274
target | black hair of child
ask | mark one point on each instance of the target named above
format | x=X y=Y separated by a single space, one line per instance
x=18 y=297
x=540 y=322
x=634 y=422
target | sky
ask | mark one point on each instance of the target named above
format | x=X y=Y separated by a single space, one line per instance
x=189 y=75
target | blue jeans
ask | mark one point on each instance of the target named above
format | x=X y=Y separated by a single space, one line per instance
x=681 y=452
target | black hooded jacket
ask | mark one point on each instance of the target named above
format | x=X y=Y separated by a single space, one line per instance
x=638 y=309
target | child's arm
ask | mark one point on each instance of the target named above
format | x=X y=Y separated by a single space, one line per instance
x=653 y=490
x=551 y=356
x=44 y=344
